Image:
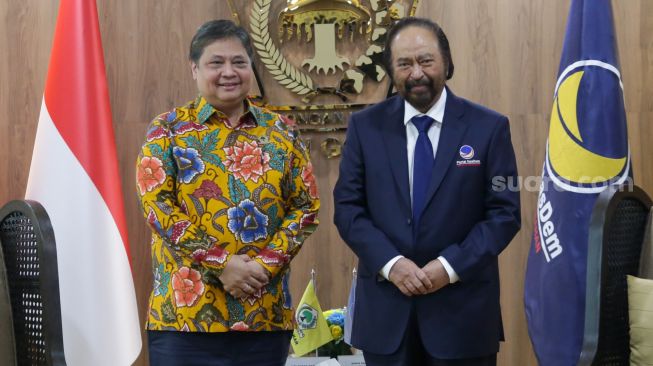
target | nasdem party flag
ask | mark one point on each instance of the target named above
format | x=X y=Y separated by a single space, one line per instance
x=587 y=151
x=74 y=175
x=312 y=330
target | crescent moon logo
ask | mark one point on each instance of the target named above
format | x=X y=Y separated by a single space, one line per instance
x=585 y=153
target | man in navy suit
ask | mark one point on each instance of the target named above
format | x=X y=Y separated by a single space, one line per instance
x=423 y=200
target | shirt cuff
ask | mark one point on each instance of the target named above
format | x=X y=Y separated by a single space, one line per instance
x=385 y=271
x=453 y=276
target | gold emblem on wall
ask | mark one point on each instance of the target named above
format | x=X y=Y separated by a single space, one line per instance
x=320 y=60
x=302 y=17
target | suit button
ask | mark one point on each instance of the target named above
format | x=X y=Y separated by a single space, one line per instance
x=409 y=221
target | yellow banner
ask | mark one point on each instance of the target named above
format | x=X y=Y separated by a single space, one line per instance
x=312 y=330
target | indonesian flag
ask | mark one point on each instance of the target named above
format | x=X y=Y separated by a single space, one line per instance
x=74 y=175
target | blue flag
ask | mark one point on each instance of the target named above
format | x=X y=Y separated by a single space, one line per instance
x=587 y=150
x=349 y=315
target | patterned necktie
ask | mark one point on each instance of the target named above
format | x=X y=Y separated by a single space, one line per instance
x=422 y=166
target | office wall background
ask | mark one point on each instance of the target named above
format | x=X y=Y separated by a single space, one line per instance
x=506 y=54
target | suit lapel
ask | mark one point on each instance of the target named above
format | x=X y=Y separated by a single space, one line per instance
x=394 y=136
x=453 y=130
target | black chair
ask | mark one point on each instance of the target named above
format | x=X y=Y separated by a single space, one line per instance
x=616 y=235
x=7 y=344
x=30 y=258
x=646 y=262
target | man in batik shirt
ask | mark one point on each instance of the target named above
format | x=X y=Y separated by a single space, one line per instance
x=229 y=193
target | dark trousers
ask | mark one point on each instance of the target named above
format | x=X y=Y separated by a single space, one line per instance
x=169 y=348
x=411 y=352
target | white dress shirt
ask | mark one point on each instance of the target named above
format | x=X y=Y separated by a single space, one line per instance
x=437 y=113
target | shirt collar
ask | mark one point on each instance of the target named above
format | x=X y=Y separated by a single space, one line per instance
x=436 y=112
x=205 y=110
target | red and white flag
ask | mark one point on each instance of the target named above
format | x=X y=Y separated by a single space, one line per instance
x=74 y=175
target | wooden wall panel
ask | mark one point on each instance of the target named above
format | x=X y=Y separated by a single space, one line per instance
x=506 y=54
x=25 y=41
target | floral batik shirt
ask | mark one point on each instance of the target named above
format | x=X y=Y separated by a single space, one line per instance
x=209 y=191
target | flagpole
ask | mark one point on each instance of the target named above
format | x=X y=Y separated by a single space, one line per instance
x=313 y=276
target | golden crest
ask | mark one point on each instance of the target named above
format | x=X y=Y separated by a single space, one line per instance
x=320 y=60
x=324 y=21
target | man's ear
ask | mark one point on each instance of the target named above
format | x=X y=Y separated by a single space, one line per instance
x=193 y=69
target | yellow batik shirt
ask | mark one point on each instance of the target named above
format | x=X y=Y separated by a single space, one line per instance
x=209 y=191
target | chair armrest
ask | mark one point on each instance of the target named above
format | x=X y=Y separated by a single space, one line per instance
x=646 y=259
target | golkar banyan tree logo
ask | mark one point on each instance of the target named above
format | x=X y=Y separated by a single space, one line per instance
x=306 y=318
x=587 y=148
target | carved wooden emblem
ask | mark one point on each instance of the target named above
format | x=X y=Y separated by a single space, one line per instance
x=320 y=60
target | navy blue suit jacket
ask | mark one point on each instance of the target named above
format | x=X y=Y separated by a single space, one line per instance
x=468 y=219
